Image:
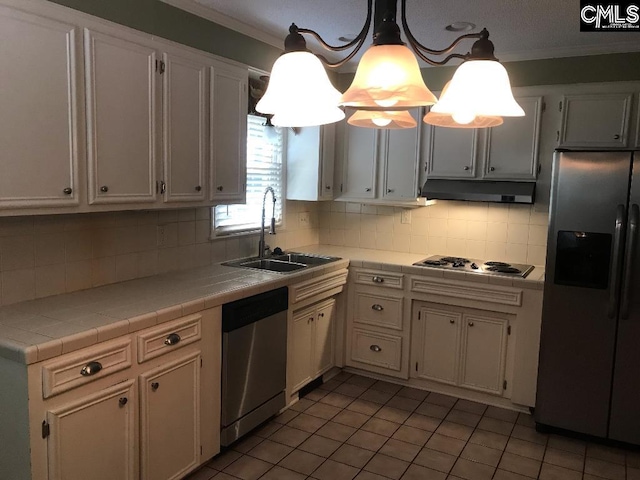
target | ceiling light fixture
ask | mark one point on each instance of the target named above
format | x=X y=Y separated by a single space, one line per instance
x=388 y=79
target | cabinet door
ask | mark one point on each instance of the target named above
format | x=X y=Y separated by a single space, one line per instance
x=484 y=346
x=359 y=169
x=95 y=436
x=436 y=344
x=121 y=119
x=323 y=341
x=450 y=152
x=327 y=161
x=170 y=419
x=512 y=148
x=304 y=164
x=228 y=133
x=38 y=111
x=184 y=127
x=596 y=120
x=299 y=364
x=400 y=175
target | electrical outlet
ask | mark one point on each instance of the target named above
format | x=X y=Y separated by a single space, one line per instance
x=161 y=236
x=405 y=216
x=303 y=219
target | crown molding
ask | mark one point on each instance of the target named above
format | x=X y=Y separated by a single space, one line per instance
x=195 y=8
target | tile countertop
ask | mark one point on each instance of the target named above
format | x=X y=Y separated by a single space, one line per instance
x=41 y=329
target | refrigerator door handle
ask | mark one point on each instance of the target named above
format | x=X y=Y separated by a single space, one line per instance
x=617 y=243
x=629 y=258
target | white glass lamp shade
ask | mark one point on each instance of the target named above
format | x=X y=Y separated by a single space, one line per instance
x=447 y=120
x=388 y=77
x=299 y=93
x=478 y=88
x=392 y=120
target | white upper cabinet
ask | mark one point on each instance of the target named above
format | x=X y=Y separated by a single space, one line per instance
x=450 y=152
x=595 y=120
x=359 y=163
x=380 y=165
x=39 y=106
x=184 y=149
x=310 y=160
x=228 y=133
x=121 y=118
x=507 y=152
x=512 y=148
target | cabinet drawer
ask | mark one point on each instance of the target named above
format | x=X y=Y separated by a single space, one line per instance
x=376 y=349
x=383 y=311
x=381 y=279
x=84 y=366
x=170 y=336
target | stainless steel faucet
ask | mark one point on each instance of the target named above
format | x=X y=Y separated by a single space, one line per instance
x=272 y=230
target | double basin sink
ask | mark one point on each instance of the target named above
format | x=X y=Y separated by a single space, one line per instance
x=285 y=263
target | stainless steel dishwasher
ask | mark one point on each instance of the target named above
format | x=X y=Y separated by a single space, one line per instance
x=254 y=361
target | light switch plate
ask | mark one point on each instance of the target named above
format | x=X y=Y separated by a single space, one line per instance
x=405 y=217
x=303 y=218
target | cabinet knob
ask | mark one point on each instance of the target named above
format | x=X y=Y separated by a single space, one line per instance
x=377 y=307
x=104 y=189
x=172 y=339
x=155 y=386
x=616 y=137
x=375 y=348
x=466 y=167
x=368 y=189
x=198 y=188
x=123 y=401
x=492 y=169
x=377 y=279
x=471 y=324
x=67 y=191
x=90 y=369
x=389 y=190
x=219 y=188
x=452 y=321
x=321 y=315
x=328 y=187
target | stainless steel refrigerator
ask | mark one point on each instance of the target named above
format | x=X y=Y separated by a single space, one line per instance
x=589 y=370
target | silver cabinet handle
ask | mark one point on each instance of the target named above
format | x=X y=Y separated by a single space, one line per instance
x=104 y=189
x=123 y=401
x=321 y=315
x=198 y=188
x=368 y=189
x=616 y=137
x=375 y=348
x=90 y=369
x=466 y=168
x=471 y=324
x=377 y=279
x=163 y=186
x=377 y=307
x=219 y=188
x=172 y=339
x=628 y=262
x=328 y=187
x=452 y=321
x=155 y=386
x=615 y=264
x=67 y=191
x=390 y=190
x=492 y=169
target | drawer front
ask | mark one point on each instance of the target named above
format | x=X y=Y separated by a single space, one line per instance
x=378 y=349
x=383 y=311
x=169 y=336
x=84 y=366
x=380 y=279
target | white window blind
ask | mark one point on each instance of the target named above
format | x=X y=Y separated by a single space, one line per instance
x=264 y=169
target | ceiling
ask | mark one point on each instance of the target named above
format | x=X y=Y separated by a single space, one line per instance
x=520 y=29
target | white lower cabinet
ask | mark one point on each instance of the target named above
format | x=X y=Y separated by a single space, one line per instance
x=170 y=419
x=94 y=437
x=311 y=351
x=460 y=346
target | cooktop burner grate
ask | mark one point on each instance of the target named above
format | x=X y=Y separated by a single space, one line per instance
x=455 y=260
x=497 y=264
x=500 y=269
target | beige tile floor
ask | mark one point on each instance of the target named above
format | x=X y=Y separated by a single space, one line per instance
x=354 y=427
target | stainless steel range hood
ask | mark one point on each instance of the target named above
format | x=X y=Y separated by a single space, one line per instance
x=479 y=191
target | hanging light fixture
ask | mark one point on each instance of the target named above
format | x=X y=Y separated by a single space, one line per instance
x=388 y=79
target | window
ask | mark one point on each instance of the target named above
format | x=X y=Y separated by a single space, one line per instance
x=264 y=169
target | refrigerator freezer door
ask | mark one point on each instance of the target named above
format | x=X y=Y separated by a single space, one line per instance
x=589 y=199
x=625 y=404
